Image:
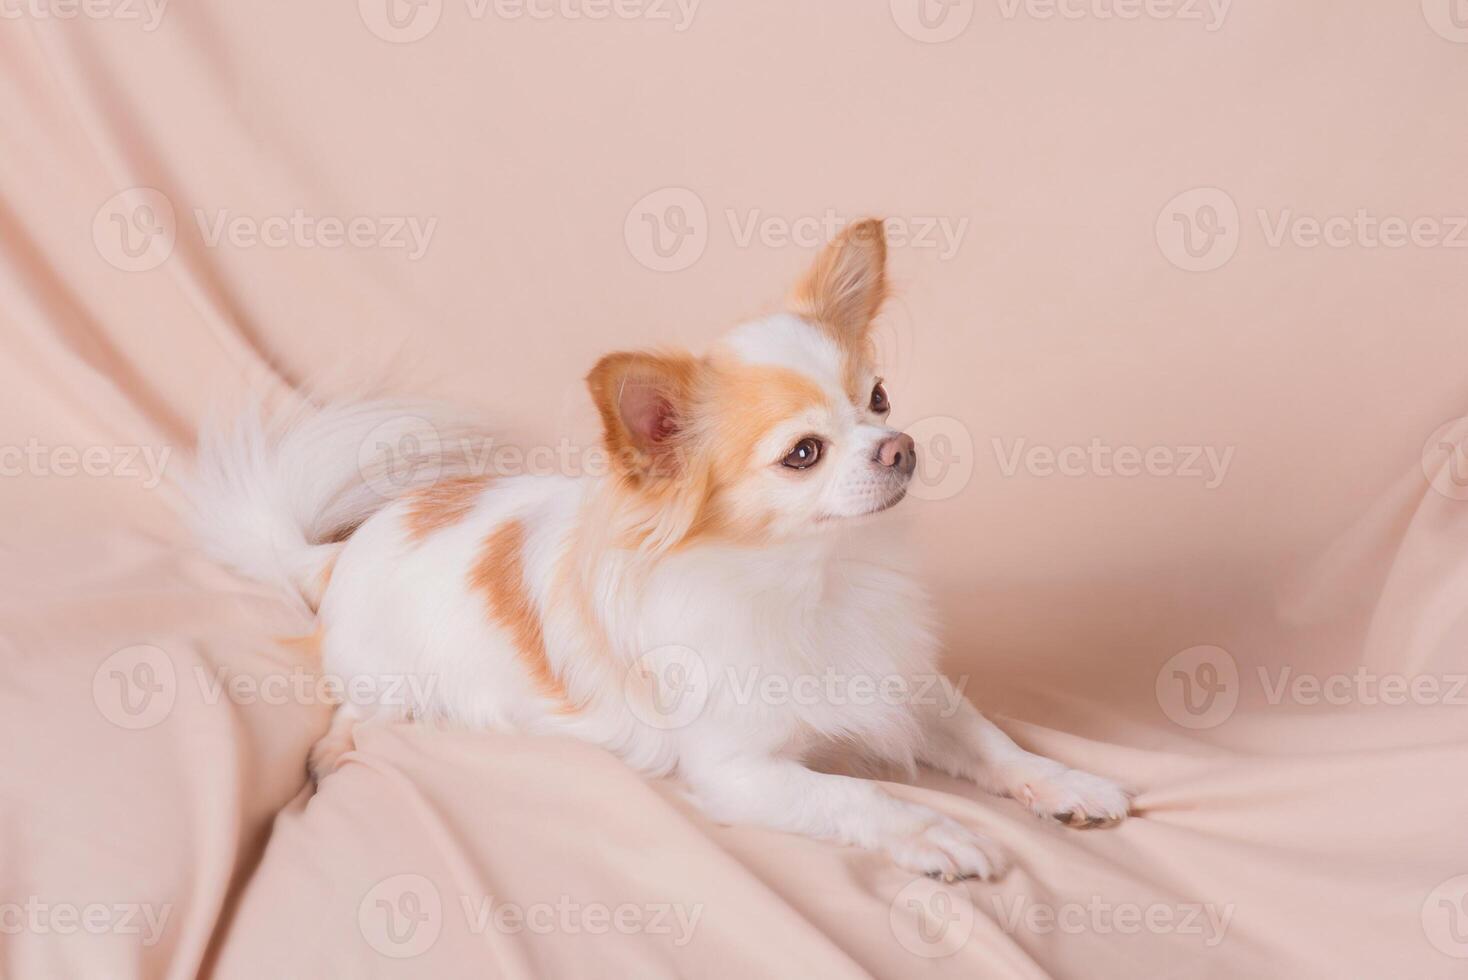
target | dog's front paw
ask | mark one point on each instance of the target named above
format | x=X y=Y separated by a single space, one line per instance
x=1075 y=798
x=944 y=848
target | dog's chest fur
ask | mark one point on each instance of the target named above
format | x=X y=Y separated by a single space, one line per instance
x=801 y=644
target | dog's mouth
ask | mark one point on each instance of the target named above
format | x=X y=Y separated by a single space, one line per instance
x=891 y=502
x=887 y=504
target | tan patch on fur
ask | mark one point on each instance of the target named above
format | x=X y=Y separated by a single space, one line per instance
x=323 y=580
x=442 y=505
x=571 y=589
x=308 y=645
x=499 y=575
x=743 y=402
x=725 y=408
x=842 y=293
x=739 y=404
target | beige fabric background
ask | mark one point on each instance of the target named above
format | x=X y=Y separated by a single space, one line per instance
x=537 y=152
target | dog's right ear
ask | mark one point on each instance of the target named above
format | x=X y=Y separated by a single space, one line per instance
x=847 y=284
x=643 y=400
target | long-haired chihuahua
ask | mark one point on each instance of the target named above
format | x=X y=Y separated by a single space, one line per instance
x=711 y=605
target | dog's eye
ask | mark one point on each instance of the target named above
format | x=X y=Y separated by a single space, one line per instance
x=804 y=455
x=880 y=405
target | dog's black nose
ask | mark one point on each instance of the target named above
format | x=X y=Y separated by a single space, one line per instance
x=898 y=452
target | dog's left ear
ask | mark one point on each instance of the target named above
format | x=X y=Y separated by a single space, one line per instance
x=643 y=399
x=845 y=287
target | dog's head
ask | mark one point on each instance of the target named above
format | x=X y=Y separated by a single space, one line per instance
x=780 y=430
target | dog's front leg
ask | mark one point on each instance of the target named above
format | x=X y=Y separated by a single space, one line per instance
x=960 y=741
x=785 y=795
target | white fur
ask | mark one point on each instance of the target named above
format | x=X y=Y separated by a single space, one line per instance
x=265 y=497
x=714 y=622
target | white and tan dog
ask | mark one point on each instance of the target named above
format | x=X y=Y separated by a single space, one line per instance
x=639 y=609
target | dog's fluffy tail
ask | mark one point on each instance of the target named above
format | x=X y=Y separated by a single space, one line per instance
x=275 y=497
